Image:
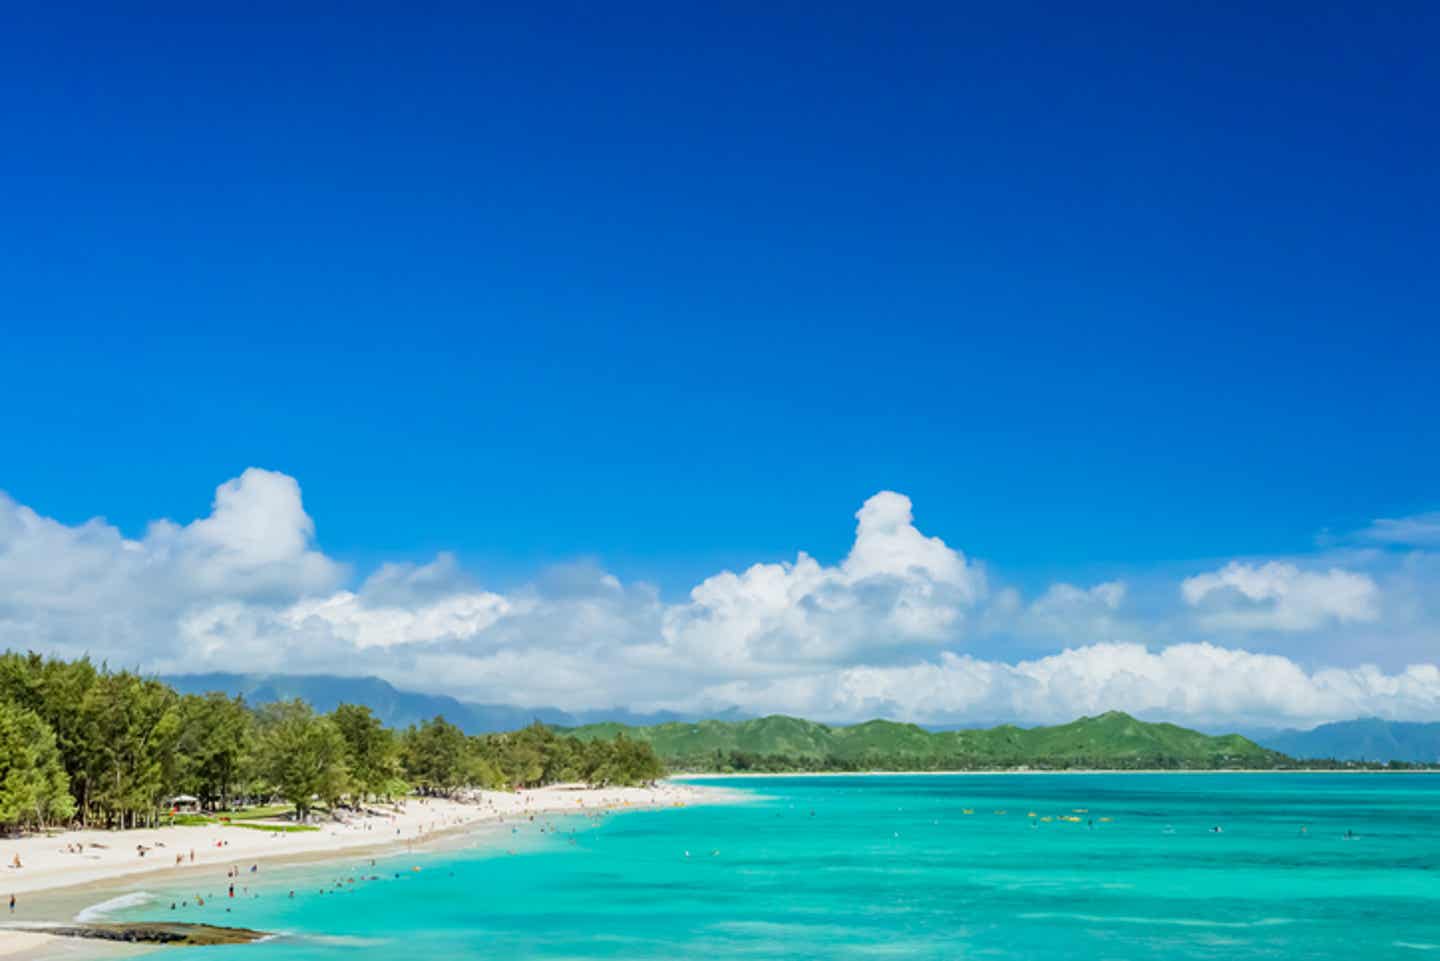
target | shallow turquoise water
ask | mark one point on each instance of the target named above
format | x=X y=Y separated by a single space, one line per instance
x=866 y=867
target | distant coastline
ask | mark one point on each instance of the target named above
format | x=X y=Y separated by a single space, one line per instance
x=1113 y=741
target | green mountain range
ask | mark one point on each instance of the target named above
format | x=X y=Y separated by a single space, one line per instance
x=782 y=741
x=1113 y=741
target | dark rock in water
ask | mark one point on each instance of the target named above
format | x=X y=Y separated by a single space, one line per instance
x=159 y=932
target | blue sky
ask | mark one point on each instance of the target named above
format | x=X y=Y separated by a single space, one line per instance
x=1122 y=293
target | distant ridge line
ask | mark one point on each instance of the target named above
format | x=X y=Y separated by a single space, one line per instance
x=1358 y=740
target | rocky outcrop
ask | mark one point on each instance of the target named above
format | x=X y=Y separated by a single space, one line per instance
x=154 y=932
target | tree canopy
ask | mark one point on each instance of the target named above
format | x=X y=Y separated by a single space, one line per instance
x=81 y=743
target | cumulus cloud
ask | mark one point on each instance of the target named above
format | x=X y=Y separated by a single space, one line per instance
x=363 y=624
x=893 y=628
x=1195 y=683
x=1280 y=596
x=88 y=587
x=404 y=604
x=897 y=588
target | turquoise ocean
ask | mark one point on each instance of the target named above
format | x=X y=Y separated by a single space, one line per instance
x=1310 y=866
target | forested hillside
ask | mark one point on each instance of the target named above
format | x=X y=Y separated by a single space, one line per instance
x=778 y=743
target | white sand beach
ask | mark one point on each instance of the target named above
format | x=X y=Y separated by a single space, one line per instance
x=50 y=860
x=24 y=944
x=68 y=858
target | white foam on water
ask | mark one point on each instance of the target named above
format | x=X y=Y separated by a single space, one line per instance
x=344 y=940
x=95 y=912
x=1182 y=922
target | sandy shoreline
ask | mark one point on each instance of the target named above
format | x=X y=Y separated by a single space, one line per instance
x=1010 y=771
x=24 y=944
x=110 y=858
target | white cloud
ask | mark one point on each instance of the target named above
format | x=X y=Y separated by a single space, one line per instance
x=457 y=617
x=1192 y=683
x=897 y=588
x=891 y=629
x=1065 y=612
x=87 y=587
x=1063 y=597
x=405 y=604
x=887 y=544
x=1417 y=530
x=1280 y=596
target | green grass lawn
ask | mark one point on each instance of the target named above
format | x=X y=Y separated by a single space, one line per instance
x=260 y=811
x=241 y=818
x=283 y=828
x=191 y=820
